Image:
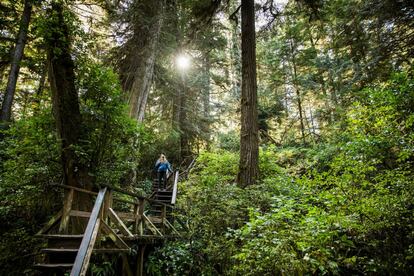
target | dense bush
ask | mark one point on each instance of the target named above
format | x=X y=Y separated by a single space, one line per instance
x=30 y=161
x=343 y=207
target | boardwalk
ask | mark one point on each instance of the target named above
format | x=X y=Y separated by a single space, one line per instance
x=119 y=221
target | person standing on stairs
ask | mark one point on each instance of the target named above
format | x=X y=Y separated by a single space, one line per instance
x=162 y=166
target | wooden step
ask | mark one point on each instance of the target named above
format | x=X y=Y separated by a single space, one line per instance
x=155 y=220
x=63 y=241
x=159 y=194
x=111 y=250
x=164 y=200
x=59 y=250
x=75 y=250
x=55 y=255
x=60 y=236
x=54 y=266
x=167 y=201
x=159 y=208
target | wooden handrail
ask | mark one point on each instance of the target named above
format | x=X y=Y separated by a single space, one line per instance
x=174 y=193
x=75 y=189
x=85 y=250
x=103 y=218
x=119 y=190
x=116 y=190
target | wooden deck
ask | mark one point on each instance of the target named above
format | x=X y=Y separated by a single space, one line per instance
x=119 y=220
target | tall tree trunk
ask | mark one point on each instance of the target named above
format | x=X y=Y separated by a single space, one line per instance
x=249 y=139
x=66 y=104
x=144 y=61
x=297 y=90
x=287 y=92
x=176 y=101
x=15 y=63
x=183 y=121
x=235 y=53
x=40 y=88
x=206 y=97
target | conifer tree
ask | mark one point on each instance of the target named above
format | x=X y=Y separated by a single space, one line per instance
x=249 y=139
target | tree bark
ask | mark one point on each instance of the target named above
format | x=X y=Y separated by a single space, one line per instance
x=206 y=97
x=40 y=88
x=15 y=63
x=249 y=138
x=176 y=101
x=142 y=60
x=297 y=90
x=65 y=104
x=183 y=127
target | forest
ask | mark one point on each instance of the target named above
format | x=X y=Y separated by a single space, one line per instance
x=288 y=124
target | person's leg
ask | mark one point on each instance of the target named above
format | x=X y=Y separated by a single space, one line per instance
x=159 y=174
x=165 y=179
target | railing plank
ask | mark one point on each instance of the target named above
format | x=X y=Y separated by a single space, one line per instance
x=116 y=190
x=169 y=225
x=113 y=236
x=127 y=216
x=85 y=250
x=122 y=226
x=174 y=194
x=119 y=190
x=50 y=223
x=76 y=189
x=151 y=226
x=82 y=214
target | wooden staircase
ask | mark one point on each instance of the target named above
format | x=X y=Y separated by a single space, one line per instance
x=149 y=220
x=165 y=200
x=60 y=253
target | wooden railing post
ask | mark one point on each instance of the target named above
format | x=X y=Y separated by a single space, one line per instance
x=163 y=217
x=107 y=205
x=140 y=260
x=136 y=214
x=85 y=250
x=139 y=222
x=175 y=187
x=67 y=207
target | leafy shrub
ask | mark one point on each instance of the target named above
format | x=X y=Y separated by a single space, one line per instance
x=30 y=153
x=343 y=207
x=229 y=141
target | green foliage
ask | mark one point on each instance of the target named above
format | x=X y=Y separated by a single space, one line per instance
x=17 y=249
x=30 y=161
x=111 y=140
x=229 y=141
x=105 y=268
x=341 y=203
x=30 y=154
x=174 y=258
x=343 y=207
x=212 y=205
x=217 y=167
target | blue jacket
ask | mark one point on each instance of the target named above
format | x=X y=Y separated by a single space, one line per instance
x=163 y=167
